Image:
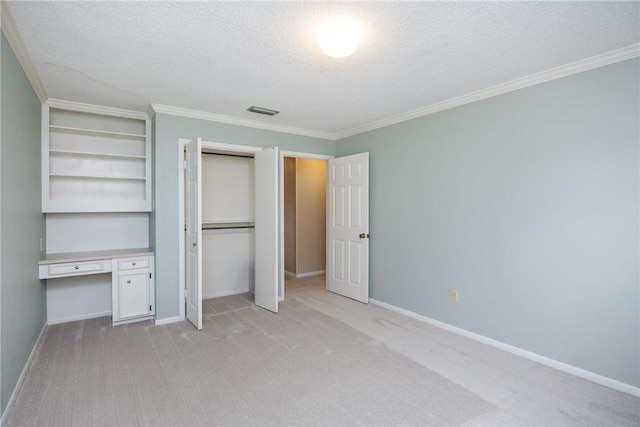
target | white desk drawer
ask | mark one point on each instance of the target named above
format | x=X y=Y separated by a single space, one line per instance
x=75 y=268
x=133 y=263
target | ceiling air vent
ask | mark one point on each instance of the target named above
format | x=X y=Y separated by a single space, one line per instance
x=261 y=110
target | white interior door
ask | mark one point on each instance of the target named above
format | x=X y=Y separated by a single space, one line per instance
x=266 y=229
x=348 y=226
x=194 y=232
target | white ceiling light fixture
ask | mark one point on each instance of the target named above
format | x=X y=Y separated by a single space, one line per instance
x=339 y=37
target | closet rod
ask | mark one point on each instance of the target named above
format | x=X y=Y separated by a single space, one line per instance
x=229 y=228
x=228 y=155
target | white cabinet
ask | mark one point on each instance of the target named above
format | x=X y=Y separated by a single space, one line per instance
x=133 y=289
x=132 y=294
x=95 y=159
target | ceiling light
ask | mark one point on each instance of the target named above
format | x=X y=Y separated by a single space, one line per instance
x=261 y=110
x=339 y=37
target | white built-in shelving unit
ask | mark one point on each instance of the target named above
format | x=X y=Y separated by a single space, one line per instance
x=95 y=159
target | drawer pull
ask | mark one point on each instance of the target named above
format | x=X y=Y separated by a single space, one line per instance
x=133 y=264
x=128 y=281
x=77 y=267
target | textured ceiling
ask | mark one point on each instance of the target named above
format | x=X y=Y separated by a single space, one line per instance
x=222 y=57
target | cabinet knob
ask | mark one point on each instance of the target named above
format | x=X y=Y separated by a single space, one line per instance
x=133 y=264
x=128 y=281
x=77 y=267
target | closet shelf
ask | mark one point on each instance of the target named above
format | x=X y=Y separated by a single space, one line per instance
x=223 y=223
x=96 y=131
x=72 y=153
x=84 y=176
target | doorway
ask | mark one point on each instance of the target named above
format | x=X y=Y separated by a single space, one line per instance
x=304 y=217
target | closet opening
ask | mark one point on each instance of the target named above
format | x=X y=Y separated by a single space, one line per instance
x=304 y=223
x=228 y=224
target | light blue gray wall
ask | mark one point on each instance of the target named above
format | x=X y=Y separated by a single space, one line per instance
x=167 y=130
x=23 y=305
x=528 y=204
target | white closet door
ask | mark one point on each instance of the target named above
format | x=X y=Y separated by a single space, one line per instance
x=266 y=229
x=348 y=226
x=194 y=232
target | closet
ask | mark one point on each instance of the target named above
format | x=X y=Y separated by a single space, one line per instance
x=263 y=219
x=228 y=199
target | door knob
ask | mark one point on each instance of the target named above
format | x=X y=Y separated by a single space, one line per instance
x=364 y=235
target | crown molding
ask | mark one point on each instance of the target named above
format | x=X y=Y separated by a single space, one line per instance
x=96 y=109
x=607 y=58
x=202 y=115
x=15 y=41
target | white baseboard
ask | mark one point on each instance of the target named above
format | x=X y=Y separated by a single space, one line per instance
x=137 y=319
x=169 y=320
x=561 y=366
x=23 y=374
x=225 y=293
x=289 y=275
x=79 y=317
x=311 y=274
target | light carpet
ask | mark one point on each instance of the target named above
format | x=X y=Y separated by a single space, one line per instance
x=246 y=367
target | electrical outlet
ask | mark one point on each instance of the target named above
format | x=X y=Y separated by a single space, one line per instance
x=454 y=295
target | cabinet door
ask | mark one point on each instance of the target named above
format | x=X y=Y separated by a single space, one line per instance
x=134 y=299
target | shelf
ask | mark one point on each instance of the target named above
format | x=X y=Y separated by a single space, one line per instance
x=227 y=222
x=90 y=154
x=101 y=132
x=94 y=162
x=78 y=176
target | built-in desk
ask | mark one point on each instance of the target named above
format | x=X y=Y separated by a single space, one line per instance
x=132 y=282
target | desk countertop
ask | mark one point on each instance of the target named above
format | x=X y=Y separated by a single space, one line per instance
x=93 y=255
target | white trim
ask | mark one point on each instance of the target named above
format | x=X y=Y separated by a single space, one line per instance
x=586 y=64
x=311 y=274
x=169 y=320
x=220 y=118
x=235 y=148
x=225 y=293
x=289 y=275
x=555 y=364
x=79 y=317
x=134 y=320
x=499 y=89
x=300 y=154
x=97 y=109
x=150 y=111
x=23 y=374
x=15 y=41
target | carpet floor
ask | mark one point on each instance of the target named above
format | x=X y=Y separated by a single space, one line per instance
x=323 y=360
